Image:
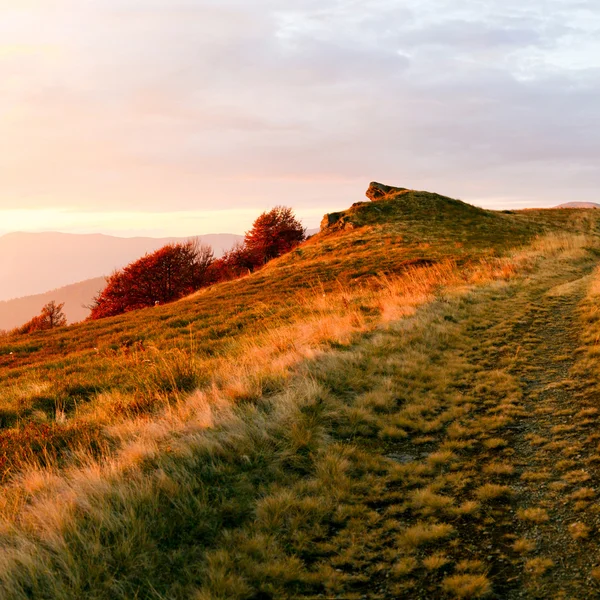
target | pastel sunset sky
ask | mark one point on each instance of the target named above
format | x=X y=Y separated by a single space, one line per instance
x=183 y=117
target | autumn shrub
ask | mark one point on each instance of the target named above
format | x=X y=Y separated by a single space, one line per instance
x=52 y=316
x=173 y=271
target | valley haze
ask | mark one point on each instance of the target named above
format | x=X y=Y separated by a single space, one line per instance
x=34 y=263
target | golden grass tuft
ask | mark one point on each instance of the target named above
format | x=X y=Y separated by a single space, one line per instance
x=467 y=586
x=577 y=476
x=533 y=515
x=470 y=566
x=494 y=443
x=536 y=567
x=579 y=531
x=535 y=475
x=492 y=491
x=584 y=493
x=499 y=469
x=435 y=561
x=428 y=502
x=425 y=533
x=523 y=545
x=404 y=566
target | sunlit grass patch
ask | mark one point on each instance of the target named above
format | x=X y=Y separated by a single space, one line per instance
x=499 y=469
x=492 y=491
x=536 y=567
x=579 y=531
x=427 y=502
x=577 y=476
x=583 y=493
x=425 y=533
x=468 y=507
x=535 y=475
x=470 y=566
x=467 y=585
x=494 y=443
x=440 y=458
x=435 y=561
x=523 y=545
x=533 y=515
x=404 y=566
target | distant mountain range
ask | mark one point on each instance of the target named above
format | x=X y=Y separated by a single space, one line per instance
x=73 y=266
x=33 y=263
x=578 y=205
x=76 y=297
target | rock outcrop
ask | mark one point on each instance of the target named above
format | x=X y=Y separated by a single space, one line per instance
x=335 y=221
x=377 y=191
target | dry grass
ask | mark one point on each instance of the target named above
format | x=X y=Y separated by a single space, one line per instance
x=435 y=561
x=498 y=469
x=579 y=531
x=492 y=491
x=425 y=533
x=533 y=515
x=524 y=545
x=467 y=586
x=536 y=567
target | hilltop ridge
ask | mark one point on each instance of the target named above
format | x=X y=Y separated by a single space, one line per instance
x=390 y=202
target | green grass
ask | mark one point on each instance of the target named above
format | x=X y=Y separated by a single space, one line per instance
x=339 y=423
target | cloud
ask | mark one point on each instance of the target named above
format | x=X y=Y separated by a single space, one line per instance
x=175 y=105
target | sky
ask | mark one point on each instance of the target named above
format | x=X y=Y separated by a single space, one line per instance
x=183 y=117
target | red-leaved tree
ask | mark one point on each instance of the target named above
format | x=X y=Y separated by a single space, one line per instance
x=52 y=316
x=168 y=274
x=274 y=233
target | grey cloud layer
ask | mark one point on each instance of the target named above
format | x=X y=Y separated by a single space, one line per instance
x=162 y=104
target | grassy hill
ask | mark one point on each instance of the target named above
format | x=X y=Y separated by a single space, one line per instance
x=365 y=416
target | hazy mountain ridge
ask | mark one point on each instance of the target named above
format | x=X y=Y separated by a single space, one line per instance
x=579 y=205
x=33 y=263
x=76 y=297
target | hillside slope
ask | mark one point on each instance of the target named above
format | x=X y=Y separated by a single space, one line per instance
x=367 y=416
x=33 y=263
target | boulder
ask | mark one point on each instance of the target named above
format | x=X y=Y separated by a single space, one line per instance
x=329 y=220
x=377 y=191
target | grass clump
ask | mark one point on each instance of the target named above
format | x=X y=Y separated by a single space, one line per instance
x=425 y=533
x=492 y=491
x=523 y=545
x=536 y=567
x=533 y=515
x=579 y=531
x=467 y=585
x=435 y=561
x=404 y=566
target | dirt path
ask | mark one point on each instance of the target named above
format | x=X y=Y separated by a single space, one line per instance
x=493 y=442
x=555 y=449
x=552 y=515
